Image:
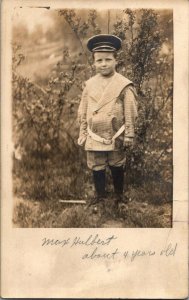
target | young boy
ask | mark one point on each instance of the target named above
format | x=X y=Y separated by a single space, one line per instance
x=107 y=115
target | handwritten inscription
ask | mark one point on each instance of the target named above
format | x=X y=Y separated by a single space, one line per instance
x=78 y=241
x=53 y=242
x=139 y=253
x=170 y=250
x=90 y=241
x=96 y=255
x=96 y=247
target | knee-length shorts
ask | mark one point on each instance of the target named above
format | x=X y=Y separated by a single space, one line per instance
x=99 y=160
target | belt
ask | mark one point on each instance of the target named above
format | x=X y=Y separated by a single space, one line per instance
x=98 y=138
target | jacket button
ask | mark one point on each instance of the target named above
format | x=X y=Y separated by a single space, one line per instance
x=94 y=130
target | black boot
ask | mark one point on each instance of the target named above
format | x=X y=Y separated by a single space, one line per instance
x=118 y=180
x=99 y=182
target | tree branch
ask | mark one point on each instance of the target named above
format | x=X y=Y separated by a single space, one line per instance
x=78 y=38
x=163 y=151
x=34 y=84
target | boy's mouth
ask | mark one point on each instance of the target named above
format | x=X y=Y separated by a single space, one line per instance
x=105 y=69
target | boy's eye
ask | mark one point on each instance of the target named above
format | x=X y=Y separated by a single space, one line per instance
x=100 y=60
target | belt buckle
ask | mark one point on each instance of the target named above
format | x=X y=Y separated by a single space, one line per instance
x=107 y=142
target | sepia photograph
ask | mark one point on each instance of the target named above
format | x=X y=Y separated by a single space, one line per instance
x=94 y=132
x=92 y=117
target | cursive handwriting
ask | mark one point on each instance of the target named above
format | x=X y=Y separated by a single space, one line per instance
x=54 y=242
x=169 y=250
x=97 y=248
x=95 y=254
x=138 y=253
x=91 y=241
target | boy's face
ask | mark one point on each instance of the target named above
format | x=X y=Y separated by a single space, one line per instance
x=105 y=63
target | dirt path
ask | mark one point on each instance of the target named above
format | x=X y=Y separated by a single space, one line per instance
x=113 y=224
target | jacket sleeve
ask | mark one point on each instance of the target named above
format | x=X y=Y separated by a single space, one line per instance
x=130 y=111
x=82 y=114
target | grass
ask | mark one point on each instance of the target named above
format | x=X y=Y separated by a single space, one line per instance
x=30 y=214
x=49 y=216
x=40 y=182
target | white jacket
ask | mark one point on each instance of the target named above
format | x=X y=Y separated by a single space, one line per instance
x=105 y=110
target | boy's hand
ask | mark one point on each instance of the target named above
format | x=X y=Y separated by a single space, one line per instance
x=81 y=140
x=128 y=142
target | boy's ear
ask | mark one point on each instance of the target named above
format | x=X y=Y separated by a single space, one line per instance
x=93 y=67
